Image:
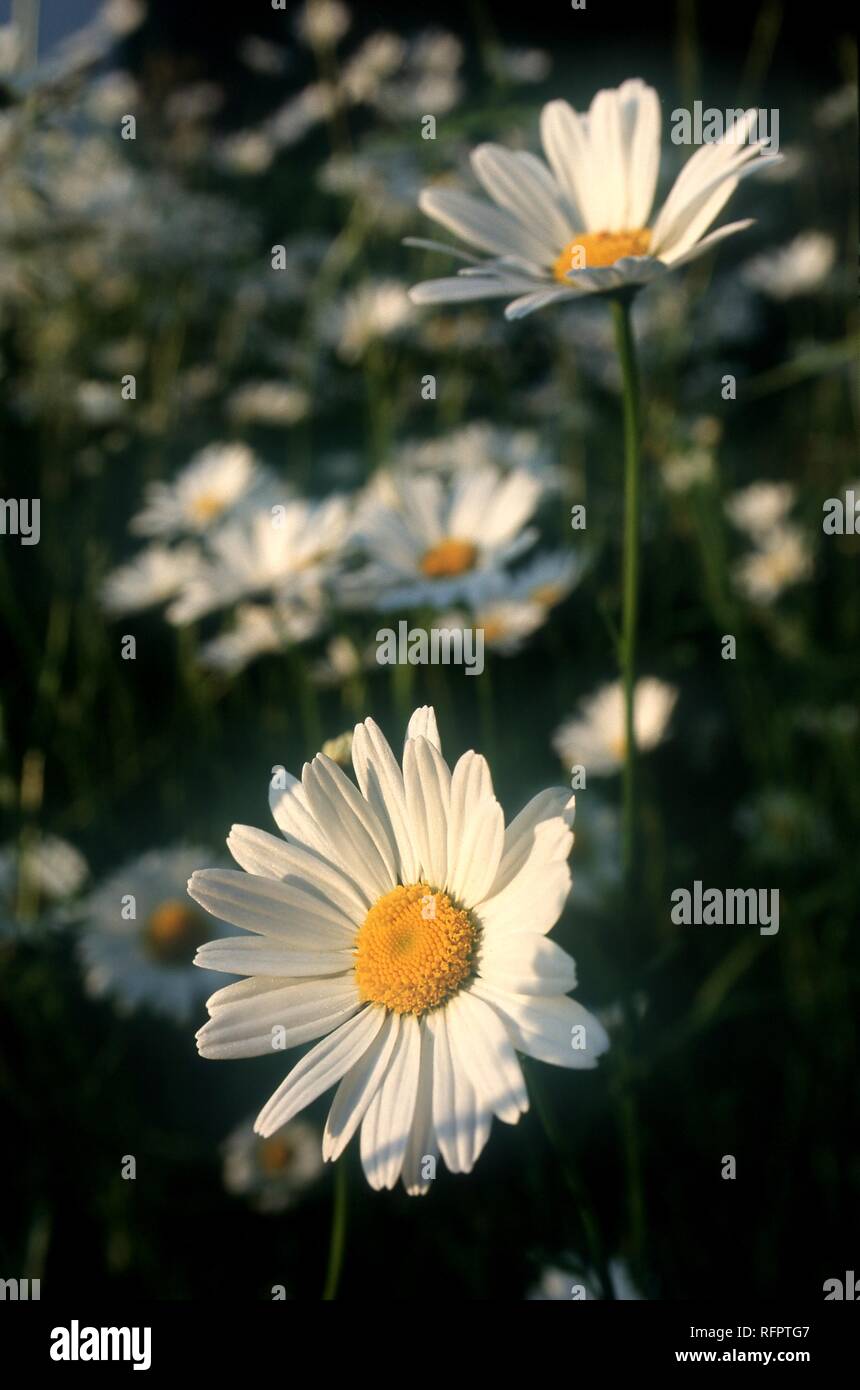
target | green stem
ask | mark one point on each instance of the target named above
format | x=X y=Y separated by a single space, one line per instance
x=630 y=600
x=337 y=1244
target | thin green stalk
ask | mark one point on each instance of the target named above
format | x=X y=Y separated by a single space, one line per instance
x=337 y=1244
x=630 y=578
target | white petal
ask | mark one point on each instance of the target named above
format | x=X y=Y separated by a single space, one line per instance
x=319 y=1069
x=526 y=963
x=388 y=1122
x=455 y=289
x=514 y=185
x=422 y=1138
x=537 y=299
x=607 y=156
x=427 y=780
x=555 y=1030
x=422 y=724
x=351 y=826
x=476 y=831
x=640 y=107
x=461 y=1122
x=262 y=955
x=677 y=233
x=480 y=224
x=289 y=807
x=302 y=867
x=533 y=899
x=481 y=1045
x=675 y=260
x=294 y=916
x=358 y=1088
x=551 y=804
x=565 y=142
x=381 y=782
x=299 y=1011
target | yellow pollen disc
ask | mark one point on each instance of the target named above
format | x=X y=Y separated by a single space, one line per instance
x=618 y=747
x=592 y=249
x=413 y=950
x=547 y=595
x=449 y=557
x=493 y=629
x=275 y=1154
x=173 y=932
x=207 y=506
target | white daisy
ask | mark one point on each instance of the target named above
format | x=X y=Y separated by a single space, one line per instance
x=506 y=623
x=200 y=495
x=760 y=508
x=583 y=224
x=596 y=738
x=38 y=875
x=400 y=923
x=260 y=629
x=782 y=559
x=432 y=541
x=286 y=551
x=379 y=309
x=140 y=934
x=794 y=269
x=272 y=1174
x=153 y=576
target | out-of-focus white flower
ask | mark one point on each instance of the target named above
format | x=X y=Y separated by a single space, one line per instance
x=201 y=495
x=99 y=401
x=292 y=121
x=837 y=108
x=379 y=57
x=376 y=310
x=341 y=662
x=153 y=576
x=339 y=749
x=794 y=269
x=781 y=559
x=122 y=17
x=432 y=541
x=322 y=23
x=522 y=64
x=759 y=508
x=140 y=933
x=263 y=56
x=112 y=96
x=10 y=49
x=246 y=152
x=546 y=580
x=272 y=1174
x=506 y=623
x=596 y=737
x=286 y=552
x=477 y=446
x=260 y=629
x=268 y=403
x=39 y=873
x=194 y=103
x=682 y=471
x=577 y=1281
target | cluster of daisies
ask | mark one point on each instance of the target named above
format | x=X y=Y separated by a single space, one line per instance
x=780 y=553
x=226 y=538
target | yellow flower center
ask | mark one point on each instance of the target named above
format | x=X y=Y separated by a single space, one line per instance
x=173 y=932
x=547 y=595
x=206 y=506
x=275 y=1154
x=414 y=949
x=589 y=250
x=449 y=557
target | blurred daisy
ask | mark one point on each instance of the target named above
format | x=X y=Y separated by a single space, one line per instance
x=342 y=662
x=581 y=225
x=374 y=311
x=38 y=875
x=782 y=559
x=322 y=23
x=506 y=623
x=758 y=509
x=547 y=579
x=271 y=403
x=430 y=541
x=404 y=926
x=260 y=629
x=577 y=1281
x=153 y=576
x=272 y=1174
x=795 y=269
x=596 y=737
x=286 y=551
x=140 y=934
x=200 y=495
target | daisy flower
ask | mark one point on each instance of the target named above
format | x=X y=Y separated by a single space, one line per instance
x=432 y=541
x=259 y=630
x=760 y=508
x=140 y=934
x=401 y=923
x=155 y=575
x=782 y=559
x=286 y=551
x=272 y=1174
x=596 y=736
x=201 y=493
x=795 y=269
x=38 y=875
x=581 y=222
